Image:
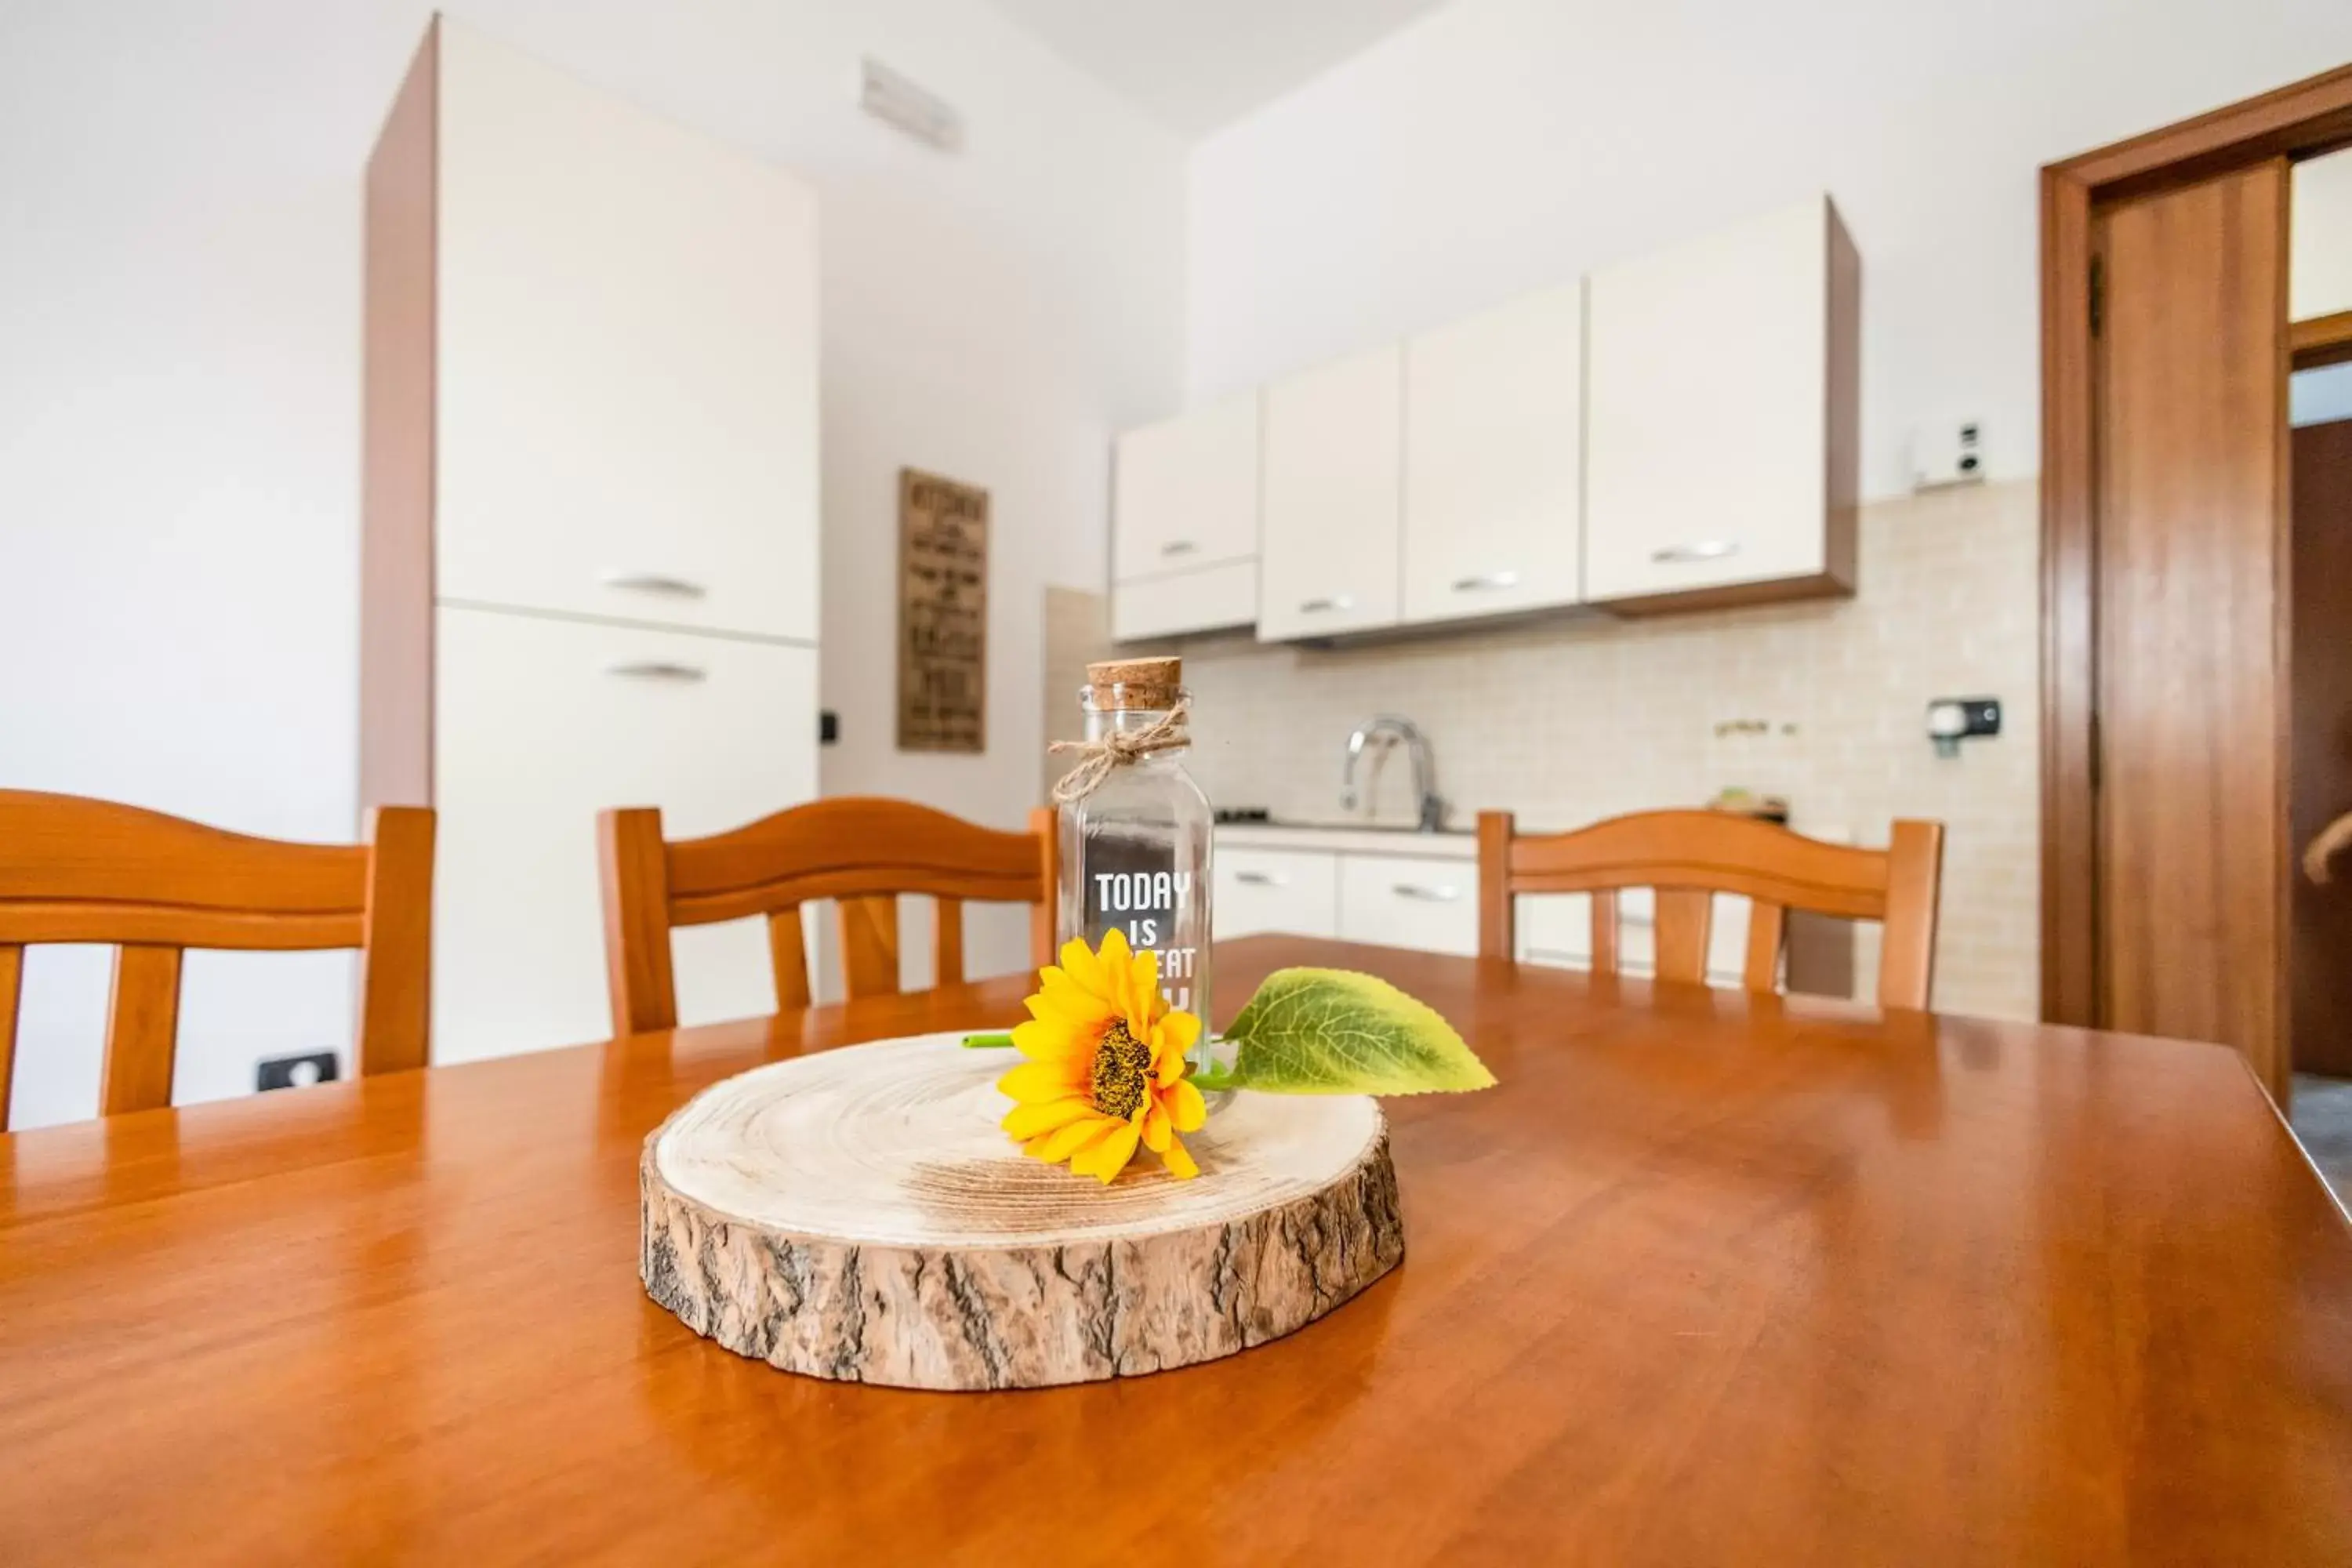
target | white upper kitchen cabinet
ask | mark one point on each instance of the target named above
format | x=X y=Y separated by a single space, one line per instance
x=1493 y=459
x=627 y=358
x=1722 y=403
x=1333 y=499
x=1186 y=492
x=1184 y=522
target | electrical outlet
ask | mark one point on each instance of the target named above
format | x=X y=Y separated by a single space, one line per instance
x=298 y=1072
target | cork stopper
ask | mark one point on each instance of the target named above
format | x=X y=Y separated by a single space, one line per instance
x=1131 y=685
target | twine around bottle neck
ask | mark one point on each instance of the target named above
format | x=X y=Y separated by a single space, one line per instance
x=1119 y=749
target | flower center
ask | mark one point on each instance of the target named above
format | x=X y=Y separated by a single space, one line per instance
x=1122 y=1069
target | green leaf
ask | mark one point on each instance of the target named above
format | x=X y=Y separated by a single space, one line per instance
x=988 y=1042
x=1330 y=1031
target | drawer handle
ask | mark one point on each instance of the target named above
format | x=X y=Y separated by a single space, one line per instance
x=1704 y=550
x=653 y=582
x=1260 y=880
x=658 y=669
x=1336 y=602
x=1484 y=580
x=1178 y=547
x=1426 y=894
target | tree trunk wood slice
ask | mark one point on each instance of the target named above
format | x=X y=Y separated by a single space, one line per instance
x=859 y=1215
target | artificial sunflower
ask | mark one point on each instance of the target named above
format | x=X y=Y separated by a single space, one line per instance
x=1106 y=1067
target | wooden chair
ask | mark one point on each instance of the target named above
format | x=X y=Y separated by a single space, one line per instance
x=79 y=871
x=861 y=853
x=1689 y=856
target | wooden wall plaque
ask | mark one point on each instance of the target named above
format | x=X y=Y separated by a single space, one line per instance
x=942 y=615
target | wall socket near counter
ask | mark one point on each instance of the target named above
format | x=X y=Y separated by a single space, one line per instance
x=1568 y=721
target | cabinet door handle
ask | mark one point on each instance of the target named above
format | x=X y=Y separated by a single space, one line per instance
x=653 y=582
x=1427 y=895
x=1702 y=550
x=1260 y=880
x=1178 y=547
x=1484 y=580
x=1336 y=602
x=658 y=669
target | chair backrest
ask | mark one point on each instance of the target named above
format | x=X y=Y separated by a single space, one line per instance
x=861 y=853
x=79 y=871
x=1689 y=856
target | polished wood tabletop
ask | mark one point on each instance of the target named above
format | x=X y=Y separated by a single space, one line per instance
x=1707 y=1278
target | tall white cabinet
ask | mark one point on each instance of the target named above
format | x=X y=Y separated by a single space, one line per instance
x=590 y=560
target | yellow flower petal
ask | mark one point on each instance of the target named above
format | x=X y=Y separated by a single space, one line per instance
x=1065 y=1141
x=1106 y=1159
x=1156 y=1132
x=1172 y=1037
x=1050 y=1042
x=1142 y=994
x=1035 y=1083
x=1186 y=1109
x=1179 y=1161
x=1059 y=1000
x=1026 y=1121
x=1084 y=969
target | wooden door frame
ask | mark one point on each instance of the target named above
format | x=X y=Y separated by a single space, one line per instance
x=2310 y=116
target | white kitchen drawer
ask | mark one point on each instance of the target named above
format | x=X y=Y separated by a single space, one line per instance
x=1718 y=445
x=627 y=359
x=542 y=723
x=1333 y=499
x=1275 y=890
x=1397 y=901
x=1494 y=436
x=1556 y=929
x=1186 y=492
x=1181 y=601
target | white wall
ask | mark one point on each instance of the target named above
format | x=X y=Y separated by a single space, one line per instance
x=1498 y=145
x=179 y=397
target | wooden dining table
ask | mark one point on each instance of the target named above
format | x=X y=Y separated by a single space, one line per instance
x=1707 y=1278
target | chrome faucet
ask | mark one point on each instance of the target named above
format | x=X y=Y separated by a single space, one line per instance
x=1424 y=765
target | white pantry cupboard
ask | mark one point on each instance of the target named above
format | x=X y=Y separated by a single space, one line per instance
x=589 y=555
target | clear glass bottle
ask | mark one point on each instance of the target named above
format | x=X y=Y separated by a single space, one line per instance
x=1135 y=851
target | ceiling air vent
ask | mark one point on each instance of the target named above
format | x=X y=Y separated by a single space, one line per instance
x=925 y=116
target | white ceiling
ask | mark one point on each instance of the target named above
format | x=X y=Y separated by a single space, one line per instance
x=1197 y=65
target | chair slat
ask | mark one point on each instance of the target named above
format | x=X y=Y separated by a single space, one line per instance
x=869 y=945
x=1684 y=916
x=12 y=982
x=1604 y=931
x=1767 y=926
x=947 y=943
x=787 y=956
x=142 y=1029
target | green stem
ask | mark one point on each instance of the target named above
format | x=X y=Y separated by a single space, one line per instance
x=987 y=1042
x=1215 y=1079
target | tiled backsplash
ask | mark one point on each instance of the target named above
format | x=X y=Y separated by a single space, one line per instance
x=1571 y=719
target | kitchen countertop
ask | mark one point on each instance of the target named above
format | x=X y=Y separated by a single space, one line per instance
x=1455 y=844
